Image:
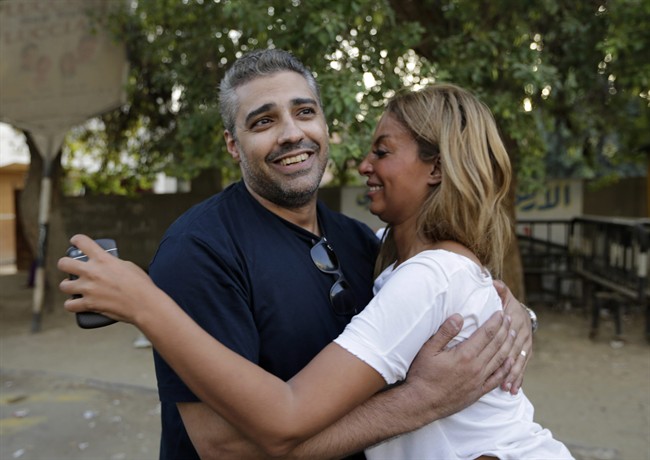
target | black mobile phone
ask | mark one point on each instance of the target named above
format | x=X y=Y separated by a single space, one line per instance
x=92 y=320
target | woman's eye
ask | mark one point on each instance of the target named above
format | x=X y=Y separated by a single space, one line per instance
x=380 y=153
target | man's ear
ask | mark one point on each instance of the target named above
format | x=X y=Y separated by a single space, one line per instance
x=231 y=145
x=435 y=175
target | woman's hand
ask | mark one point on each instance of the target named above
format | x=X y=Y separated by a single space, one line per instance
x=108 y=285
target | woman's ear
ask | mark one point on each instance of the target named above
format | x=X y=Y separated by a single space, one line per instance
x=435 y=176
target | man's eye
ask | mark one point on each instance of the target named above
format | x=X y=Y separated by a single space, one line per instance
x=260 y=122
x=307 y=111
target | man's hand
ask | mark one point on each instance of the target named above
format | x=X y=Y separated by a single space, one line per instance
x=523 y=347
x=451 y=379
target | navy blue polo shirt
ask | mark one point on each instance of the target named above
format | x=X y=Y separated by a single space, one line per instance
x=246 y=276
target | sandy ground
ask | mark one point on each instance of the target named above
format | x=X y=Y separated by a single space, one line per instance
x=68 y=393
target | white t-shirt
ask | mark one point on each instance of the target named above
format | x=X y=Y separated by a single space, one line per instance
x=410 y=304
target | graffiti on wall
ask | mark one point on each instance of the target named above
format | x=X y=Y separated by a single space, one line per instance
x=552 y=197
x=558 y=198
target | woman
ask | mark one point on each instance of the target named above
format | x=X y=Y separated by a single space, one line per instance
x=437 y=175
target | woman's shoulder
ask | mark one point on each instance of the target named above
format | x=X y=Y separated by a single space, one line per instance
x=449 y=263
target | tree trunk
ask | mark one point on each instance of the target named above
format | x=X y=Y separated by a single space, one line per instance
x=29 y=209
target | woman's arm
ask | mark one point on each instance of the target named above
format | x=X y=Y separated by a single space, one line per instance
x=440 y=382
x=277 y=414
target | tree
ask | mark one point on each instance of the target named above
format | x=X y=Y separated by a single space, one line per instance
x=560 y=78
x=180 y=50
x=567 y=82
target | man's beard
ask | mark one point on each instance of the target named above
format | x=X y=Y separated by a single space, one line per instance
x=280 y=191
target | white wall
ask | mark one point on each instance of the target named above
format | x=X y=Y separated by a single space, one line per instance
x=559 y=199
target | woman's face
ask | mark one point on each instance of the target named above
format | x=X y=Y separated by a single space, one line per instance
x=398 y=180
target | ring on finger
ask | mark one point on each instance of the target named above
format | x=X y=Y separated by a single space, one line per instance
x=523 y=353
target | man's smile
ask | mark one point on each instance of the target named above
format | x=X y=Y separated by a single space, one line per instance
x=294 y=159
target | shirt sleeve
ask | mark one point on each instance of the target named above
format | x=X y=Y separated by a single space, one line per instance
x=402 y=316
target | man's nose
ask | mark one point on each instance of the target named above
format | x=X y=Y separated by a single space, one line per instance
x=291 y=132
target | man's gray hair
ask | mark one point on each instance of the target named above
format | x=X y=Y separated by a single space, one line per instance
x=255 y=64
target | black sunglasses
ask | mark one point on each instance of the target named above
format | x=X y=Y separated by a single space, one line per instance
x=341 y=295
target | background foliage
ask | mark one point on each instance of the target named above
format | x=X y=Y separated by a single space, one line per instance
x=180 y=50
x=567 y=81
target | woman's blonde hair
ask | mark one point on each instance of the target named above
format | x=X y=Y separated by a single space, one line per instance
x=451 y=126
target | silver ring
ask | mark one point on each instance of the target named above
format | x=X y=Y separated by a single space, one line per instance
x=523 y=353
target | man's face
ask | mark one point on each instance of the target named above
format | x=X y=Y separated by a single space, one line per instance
x=281 y=139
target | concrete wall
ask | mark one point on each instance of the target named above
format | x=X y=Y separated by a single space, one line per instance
x=559 y=199
x=136 y=223
x=626 y=198
x=568 y=198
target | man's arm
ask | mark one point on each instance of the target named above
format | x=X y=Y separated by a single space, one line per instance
x=439 y=383
x=213 y=437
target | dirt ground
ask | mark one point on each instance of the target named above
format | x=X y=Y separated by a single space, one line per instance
x=68 y=393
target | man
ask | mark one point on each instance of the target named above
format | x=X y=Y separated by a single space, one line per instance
x=244 y=267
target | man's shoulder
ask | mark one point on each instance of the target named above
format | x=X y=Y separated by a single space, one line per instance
x=216 y=207
x=209 y=228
